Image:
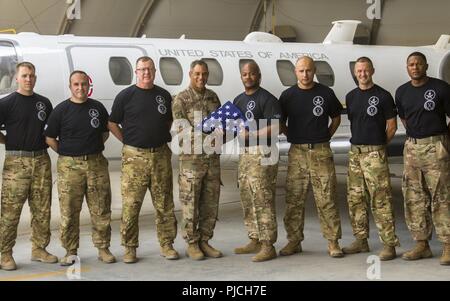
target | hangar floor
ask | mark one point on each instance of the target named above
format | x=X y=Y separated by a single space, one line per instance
x=312 y=264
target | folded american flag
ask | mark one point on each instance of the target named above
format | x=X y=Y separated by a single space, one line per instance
x=228 y=118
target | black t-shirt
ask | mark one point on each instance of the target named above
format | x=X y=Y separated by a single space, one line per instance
x=24 y=118
x=145 y=116
x=308 y=111
x=368 y=111
x=260 y=105
x=424 y=108
x=79 y=127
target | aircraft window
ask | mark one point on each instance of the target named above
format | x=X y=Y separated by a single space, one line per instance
x=446 y=70
x=243 y=62
x=215 y=77
x=8 y=62
x=120 y=70
x=352 y=71
x=286 y=72
x=171 y=71
x=324 y=73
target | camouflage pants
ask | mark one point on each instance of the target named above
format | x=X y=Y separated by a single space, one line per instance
x=257 y=184
x=316 y=166
x=26 y=178
x=199 y=182
x=426 y=189
x=142 y=170
x=79 y=177
x=368 y=182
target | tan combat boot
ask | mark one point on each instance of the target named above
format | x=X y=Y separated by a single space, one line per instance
x=421 y=250
x=194 y=252
x=388 y=253
x=7 y=261
x=334 y=250
x=168 y=252
x=267 y=252
x=209 y=251
x=130 y=255
x=358 y=246
x=445 y=258
x=67 y=260
x=254 y=246
x=106 y=256
x=291 y=248
x=40 y=254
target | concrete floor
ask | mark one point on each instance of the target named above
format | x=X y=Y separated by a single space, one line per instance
x=312 y=264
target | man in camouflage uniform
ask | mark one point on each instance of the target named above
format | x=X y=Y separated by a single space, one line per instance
x=372 y=116
x=423 y=104
x=199 y=177
x=257 y=178
x=308 y=108
x=77 y=130
x=27 y=168
x=144 y=113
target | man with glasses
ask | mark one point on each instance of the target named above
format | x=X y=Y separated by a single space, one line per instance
x=144 y=114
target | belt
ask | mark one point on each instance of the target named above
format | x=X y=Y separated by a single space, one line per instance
x=315 y=145
x=148 y=150
x=85 y=157
x=427 y=140
x=21 y=153
x=366 y=148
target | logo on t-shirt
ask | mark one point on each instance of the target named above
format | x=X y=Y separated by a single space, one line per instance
x=41 y=115
x=94 y=114
x=40 y=106
x=429 y=104
x=372 y=110
x=162 y=109
x=374 y=101
x=160 y=99
x=250 y=106
x=318 y=101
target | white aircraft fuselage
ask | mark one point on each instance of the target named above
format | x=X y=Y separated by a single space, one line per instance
x=110 y=64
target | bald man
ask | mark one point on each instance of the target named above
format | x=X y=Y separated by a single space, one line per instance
x=308 y=108
x=257 y=180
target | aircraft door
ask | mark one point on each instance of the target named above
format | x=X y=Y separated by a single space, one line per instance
x=110 y=68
